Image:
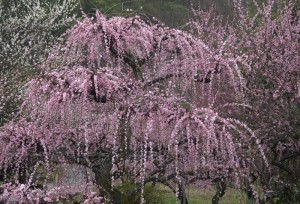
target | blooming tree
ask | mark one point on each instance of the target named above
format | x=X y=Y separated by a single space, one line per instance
x=127 y=99
x=273 y=84
x=268 y=43
x=28 y=30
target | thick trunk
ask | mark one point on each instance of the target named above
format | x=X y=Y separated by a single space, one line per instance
x=221 y=188
x=182 y=195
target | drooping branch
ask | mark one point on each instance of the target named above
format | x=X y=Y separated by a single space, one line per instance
x=161 y=79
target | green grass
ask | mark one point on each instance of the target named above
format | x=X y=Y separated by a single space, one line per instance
x=200 y=196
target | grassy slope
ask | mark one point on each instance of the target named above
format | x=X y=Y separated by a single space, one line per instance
x=201 y=196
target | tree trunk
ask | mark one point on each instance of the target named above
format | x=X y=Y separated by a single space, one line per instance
x=182 y=195
x=221 y=188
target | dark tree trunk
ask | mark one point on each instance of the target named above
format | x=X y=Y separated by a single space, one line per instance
x=182 y=195
x=221 y=188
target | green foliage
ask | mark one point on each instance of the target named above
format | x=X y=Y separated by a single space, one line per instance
x=111 y=7
x=173 y=13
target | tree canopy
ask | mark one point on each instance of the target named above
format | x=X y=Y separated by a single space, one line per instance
x=129 y=99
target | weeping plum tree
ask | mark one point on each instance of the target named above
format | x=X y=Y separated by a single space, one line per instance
x=129 y=100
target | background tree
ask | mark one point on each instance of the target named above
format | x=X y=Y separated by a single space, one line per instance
x=268 y=36
x=28 y=29
x=274 y=92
